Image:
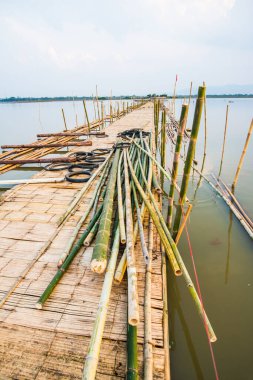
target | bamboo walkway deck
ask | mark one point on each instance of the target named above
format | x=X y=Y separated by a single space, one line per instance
x=52 y=343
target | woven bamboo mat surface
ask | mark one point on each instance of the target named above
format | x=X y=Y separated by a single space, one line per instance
x=52 y=343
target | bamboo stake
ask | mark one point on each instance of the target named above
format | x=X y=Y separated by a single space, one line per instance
x=133 y=306
x=189 y=158
x=120 y=204
x=91 y=362
x=86 y=115
x=99 y=256
x=181 y=129
x=63 y=115
x=242 y=156
x=224 y=140
x=148 y=344
x=189 y=101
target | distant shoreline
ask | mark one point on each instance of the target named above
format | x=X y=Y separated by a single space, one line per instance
x=133 y=97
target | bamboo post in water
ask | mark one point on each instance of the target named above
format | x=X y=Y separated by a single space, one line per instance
x=99 y=256
x=63 y=115
x=189 y=158
x=86 y=115
x=181 y=129
x=242 y=156
x=224 y=140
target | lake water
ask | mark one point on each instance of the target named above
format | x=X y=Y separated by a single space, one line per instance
x=222 y=249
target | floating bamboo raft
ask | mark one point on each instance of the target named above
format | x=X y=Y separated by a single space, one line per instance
x=52 y=343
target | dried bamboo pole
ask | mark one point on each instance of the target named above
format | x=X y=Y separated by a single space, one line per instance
x=92 y=357
x=133 y=305
x=183 y=224
x=74 y=134
x=242 y=156
x=181 y=129
x=32 y=181
x=64 y=119
x=91 y=235
x=99 y=256
x=174 y=96
x=189 y=158
x=39 y=146
x=86 y=115
x=120 y=204
x=190 y=95
x=148 y=344
x=224 y=140
x=145 y=251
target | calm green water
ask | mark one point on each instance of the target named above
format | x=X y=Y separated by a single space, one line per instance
x=222 y=249
x=223 y=256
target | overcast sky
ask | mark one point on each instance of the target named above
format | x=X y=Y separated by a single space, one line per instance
x=66 y=47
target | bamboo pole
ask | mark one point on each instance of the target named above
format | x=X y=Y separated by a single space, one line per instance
x=120 y=204
x=224 y=140
x=181 y=129
x=190 y=95
x=86 y=115
x=183 y=224
x=242 y=156
x=99 y=256
x=148 y=344
x=74 y=134
x=163 y=146
x=63 y=115
x=174 y=96
x=189 y=158
x=133 y=306
x=92 y=357
x=48 y=291
x=39 y=146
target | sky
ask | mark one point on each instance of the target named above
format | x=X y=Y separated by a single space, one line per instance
x=67 y=47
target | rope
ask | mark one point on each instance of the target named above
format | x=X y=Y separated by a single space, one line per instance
x=200 y=297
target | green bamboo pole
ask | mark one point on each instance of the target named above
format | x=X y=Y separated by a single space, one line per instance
x=163 y=146
x=64 y=119
x=120 y=204
x=99 y=256
x=189 y=158
x=91 y=235
x=224 y=140
x=132 y=353
x=133 y=305
x=168 y=244
x=91 y=362
x=242 y=156
x=181 y=129
x=47 y=292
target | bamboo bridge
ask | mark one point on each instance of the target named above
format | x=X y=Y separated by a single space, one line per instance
x=53 y=342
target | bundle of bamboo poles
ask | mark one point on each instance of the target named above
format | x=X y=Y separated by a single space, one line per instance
x=123 y=195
